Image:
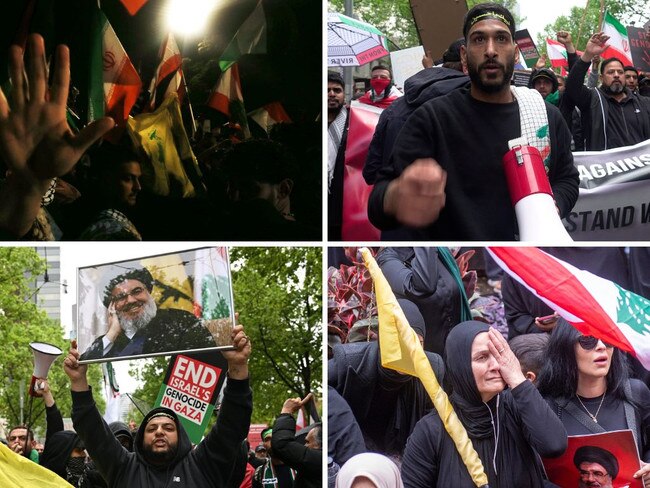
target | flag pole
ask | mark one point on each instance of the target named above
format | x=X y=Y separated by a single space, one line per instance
x=187 y=91
x=403 y=352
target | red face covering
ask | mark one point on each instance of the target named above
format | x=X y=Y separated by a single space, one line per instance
x=379 y=84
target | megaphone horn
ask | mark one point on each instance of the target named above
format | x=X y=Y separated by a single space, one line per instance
x=44 y=355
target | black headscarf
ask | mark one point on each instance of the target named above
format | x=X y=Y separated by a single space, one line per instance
x=465 y=396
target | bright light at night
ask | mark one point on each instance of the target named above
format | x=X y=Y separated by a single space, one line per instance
x=189 y=17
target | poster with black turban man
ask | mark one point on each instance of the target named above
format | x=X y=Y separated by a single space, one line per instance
x=606 y=460
x=156 y=305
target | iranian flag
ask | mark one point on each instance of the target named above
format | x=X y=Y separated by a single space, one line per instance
x=169 y=71
x=227 y=98
x=593 y=305
x=618 y=45
x=269 y=115
x=556 y=53
x=114 y=82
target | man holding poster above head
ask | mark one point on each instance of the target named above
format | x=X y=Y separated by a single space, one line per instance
x=446 y=179
x=136 y=325
x=163 y=453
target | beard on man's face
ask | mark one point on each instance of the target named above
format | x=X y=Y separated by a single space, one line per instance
x=147 y=313
x=490 y=83
x=615 y=88
x=160 y=457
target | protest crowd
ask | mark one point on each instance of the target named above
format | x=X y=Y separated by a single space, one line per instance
x=533 y=375
x=409 y=156
x=159 y=451
x=128 y=157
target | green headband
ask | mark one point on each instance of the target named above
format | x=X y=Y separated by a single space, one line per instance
x=488 y=15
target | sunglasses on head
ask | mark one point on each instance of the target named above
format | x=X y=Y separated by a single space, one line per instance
x=590 y=342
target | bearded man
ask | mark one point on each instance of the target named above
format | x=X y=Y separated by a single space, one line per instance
x=163 y=454
x=137 y=326
x=446 y=179
x=612 y=114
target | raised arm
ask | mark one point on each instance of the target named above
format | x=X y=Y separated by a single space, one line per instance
x=36 y=142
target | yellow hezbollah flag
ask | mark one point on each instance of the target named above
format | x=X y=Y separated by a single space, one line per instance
x=16 y=470
x=172 y=169
x=401 y=350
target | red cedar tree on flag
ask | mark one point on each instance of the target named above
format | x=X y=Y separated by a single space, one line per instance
x=618 y=45
x=133 y=5
x=111 y=69
x=269 y=115
x=170 y=68
x=227 y=98
x=593 y=305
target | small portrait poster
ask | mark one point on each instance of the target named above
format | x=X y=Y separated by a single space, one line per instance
x=608 y=460
x=155 y=305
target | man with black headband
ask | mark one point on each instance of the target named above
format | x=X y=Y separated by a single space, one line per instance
x=163 y=454
x=612 y=115
x=136 y=325
x=446 y=180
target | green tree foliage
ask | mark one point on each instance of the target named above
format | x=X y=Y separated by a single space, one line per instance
x=278 y=295
x=395 y=19
x=22 y=322
x=582 y=23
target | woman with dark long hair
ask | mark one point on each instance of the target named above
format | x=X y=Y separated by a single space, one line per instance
x=506 y=426
x=585 y=381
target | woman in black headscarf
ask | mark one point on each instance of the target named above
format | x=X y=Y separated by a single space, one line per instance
x=506 y=427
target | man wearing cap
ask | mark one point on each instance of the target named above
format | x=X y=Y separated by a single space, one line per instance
x=597 y=466
x=136 y=325
x=273 y=473
x=163 y=454
x=612 y=114
x=446 y=179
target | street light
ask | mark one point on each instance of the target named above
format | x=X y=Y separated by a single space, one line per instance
x=189 y=17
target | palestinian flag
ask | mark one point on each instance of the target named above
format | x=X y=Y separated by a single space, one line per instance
x=593 y=305
x=132 y=6
x=114 y=82
x=269 y=115
x=169 y=72
x=618 y=45
x=557 y=54
x=227 y=98
x=249 y=39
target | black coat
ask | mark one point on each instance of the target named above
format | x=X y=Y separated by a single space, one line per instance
x=307 y=462
x=209 y=465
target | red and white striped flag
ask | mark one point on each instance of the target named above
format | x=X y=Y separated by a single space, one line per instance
x=557 y=54
x=593 y=305
x=227 y=98
x=170 y=68
x=618 y=45
x=269 y=115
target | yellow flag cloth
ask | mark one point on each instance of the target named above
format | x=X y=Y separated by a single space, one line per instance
x=401 y=350
x=172 y=169
x=16 y=470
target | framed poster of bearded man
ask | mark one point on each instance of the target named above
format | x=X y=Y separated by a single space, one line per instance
x=154 y=306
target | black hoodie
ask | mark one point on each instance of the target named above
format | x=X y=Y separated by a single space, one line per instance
x=57 y=451
x=209 y=465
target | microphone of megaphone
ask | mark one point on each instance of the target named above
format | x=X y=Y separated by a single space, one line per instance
x=44 y=355
x=531 y=195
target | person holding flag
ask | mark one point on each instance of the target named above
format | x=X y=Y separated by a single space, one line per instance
x=585 y=381
x=612 y=115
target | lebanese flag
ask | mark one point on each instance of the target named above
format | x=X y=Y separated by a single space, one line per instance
x=168 y=70
x=227 y=98
x=618 y=45
x=593 y=305
x=269 y=115
x=119 y=81
x=556 y=53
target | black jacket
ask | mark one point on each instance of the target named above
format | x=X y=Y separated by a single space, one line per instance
x=386 y=404
x=209 y=465
x=307 y=462
x=626 y=123
x=170 y=330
